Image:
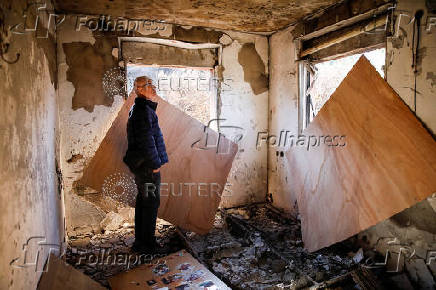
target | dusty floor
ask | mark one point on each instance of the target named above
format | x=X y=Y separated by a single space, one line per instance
x=257 y=248
x=253 y=247
x=103 y=255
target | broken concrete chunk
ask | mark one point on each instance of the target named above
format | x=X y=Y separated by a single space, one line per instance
x=128 y=214
x=128 y=225
x=112 y=221
x=80 y=243
x=78 y=231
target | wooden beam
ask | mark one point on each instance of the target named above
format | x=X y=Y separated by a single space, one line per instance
x=339 y=16
x=349 y=33
x=359 y=44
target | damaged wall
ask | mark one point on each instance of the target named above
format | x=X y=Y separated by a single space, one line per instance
x=30 y=201
x=245 y=105
x=413 y=226
x=152 y=53
x=399 y=59
x=86 y=115
x=85 y=112
x=283 y=116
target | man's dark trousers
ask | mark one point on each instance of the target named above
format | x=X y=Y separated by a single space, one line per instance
x=147 y=205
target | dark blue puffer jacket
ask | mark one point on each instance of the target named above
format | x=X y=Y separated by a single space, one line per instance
x=145 y=139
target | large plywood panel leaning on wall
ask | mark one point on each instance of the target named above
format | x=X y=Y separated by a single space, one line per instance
x=192 y=182
x=388 y=162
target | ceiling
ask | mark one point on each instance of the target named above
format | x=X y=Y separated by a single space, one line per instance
x=242 y=15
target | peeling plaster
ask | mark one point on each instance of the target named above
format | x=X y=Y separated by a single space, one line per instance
x=242 y=108
x=87 y=64
x=81 y=130
x=254 y=68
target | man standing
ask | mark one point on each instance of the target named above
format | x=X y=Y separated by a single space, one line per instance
x=145 y=155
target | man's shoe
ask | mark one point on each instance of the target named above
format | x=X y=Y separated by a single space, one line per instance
x=138 y=248
x=157 y=249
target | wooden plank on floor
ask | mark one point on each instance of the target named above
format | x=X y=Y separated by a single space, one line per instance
x=176 y=271
x=60 y=275
x=192 y=181
x=388 y=162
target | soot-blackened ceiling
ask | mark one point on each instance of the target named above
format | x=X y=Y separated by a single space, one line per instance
x=242 y=15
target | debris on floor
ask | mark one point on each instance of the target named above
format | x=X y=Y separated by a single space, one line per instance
x=103 y=255
x=250 y=247
x=176 y=271
x=255 y=247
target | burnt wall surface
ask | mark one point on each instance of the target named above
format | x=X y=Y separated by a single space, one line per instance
x=242 y=106
x=151 y=53
x=30 y=202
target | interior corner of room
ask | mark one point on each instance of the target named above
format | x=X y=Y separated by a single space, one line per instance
x=300 y=136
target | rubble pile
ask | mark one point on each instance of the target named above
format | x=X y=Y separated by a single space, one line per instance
x=107 y=251
x=255 y=248
x=251 y=247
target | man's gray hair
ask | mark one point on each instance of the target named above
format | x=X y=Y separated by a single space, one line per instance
x=142 y=79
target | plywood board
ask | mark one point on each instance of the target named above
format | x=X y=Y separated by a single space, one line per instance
x=60 y=275
x=176 y=271
x=388 y=162
x=192 y=181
